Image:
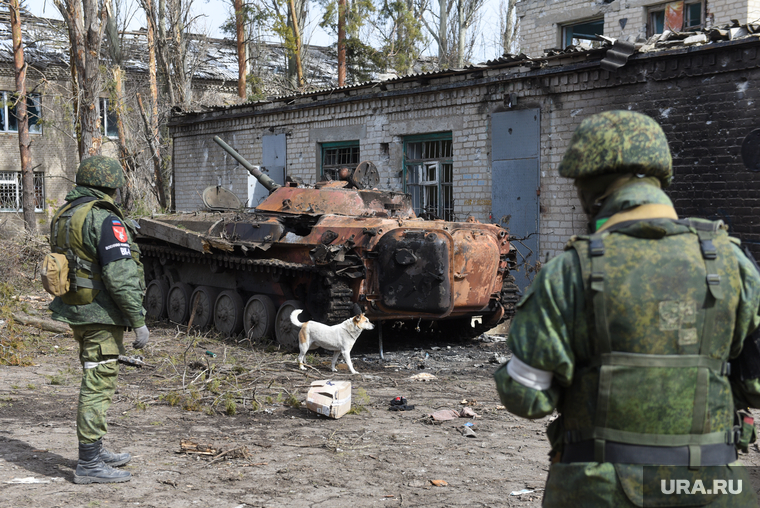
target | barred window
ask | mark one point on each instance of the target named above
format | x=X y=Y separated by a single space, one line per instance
x=343 y=154
x=429 y=175
x=11 y=191
x=8 y=118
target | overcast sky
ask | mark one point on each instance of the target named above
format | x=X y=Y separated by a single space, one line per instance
x=215 y=12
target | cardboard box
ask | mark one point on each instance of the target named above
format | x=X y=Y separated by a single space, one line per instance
x=329 y=398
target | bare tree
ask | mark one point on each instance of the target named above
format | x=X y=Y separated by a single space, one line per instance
x=241 y=52
x=85 y=25
x=467 y=15
x=27 y=174
x=508 y=25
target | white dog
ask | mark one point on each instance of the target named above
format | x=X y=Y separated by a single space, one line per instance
x=339 y=338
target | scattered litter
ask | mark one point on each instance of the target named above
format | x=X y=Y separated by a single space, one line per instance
x=521 y=492
x=188 y=446
x=423 y=376
x=498 y=359
x=329 y=398
x=32 y=479
x=467 y=431
x=212 y=355
x=469 y=424
x=452 y=414
x=445 y=415
x=440 y=483
x=399 y=404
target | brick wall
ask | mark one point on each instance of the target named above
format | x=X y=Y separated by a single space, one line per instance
x=53 y=150
x=707 y=99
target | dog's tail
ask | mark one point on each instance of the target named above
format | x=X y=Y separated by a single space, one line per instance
x=294 y=317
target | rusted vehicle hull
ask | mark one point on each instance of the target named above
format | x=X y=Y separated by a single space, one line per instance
x=393 y=269
x=335 y=249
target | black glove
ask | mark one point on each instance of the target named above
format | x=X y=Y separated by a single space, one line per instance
x=142 y=335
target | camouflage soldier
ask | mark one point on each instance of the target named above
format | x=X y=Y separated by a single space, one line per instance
x=105 y=296
x=629 y=332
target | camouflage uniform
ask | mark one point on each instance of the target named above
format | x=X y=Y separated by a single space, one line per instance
x=599 y=329
x=99 y=326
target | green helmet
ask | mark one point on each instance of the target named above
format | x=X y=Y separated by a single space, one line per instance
x=100 y=171
x=618 y=142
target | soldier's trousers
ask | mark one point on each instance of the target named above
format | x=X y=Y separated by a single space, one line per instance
x=99 y=349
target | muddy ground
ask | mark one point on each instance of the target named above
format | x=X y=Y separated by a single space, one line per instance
x=278 y=454
x=268 y=451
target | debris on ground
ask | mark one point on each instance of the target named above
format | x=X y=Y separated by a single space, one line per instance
x=452 y=414
x=440 y=483
x=188 y=446
x=423 y=376
x=400 y=404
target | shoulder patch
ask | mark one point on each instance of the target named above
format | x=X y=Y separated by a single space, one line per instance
x=114 y=241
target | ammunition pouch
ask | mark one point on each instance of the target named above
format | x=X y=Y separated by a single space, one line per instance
x=745 y=432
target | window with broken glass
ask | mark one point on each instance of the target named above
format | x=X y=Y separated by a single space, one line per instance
x=8 y=118
x=675 y=16
x=11 y=191
x=583 y=34
x=429 y=175
x=108 y=118
x=341 y=154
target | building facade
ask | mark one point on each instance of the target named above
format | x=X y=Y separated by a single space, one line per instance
x=546 y=24
x=485 y=142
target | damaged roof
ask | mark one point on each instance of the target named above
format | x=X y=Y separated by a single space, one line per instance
x=611 y=53
x=46 y=43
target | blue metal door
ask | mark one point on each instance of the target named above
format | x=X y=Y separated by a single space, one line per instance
x=273 y=161
x=515 y=139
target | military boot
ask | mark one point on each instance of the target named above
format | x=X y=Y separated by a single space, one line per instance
x=113 y=459
x=92 y=469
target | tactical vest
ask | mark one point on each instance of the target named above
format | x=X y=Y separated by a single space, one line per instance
x=66 y=238
x=661 y=307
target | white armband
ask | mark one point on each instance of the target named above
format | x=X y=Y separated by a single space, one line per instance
x=526 y=375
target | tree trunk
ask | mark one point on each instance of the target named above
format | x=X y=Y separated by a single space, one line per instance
x=85 y=35
x=297 y=36
x=27 y=175
x=461 y=33
x=125 y=157
x=240 y=36
x=341 y=42
x=443 y=34
x=160 y=193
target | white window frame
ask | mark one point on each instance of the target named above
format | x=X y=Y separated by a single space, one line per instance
x=15 y=191
x=6 y=100
x=104 y=101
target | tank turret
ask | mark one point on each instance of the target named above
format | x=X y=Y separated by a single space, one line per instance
x=333 y=249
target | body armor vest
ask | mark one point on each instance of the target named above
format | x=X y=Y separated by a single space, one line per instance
x=661 y=302
x=66 y=238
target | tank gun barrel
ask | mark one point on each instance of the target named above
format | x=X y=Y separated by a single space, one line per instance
x=267 y=182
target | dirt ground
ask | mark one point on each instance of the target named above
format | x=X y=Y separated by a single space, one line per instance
x=278 y=454
x=268 y=451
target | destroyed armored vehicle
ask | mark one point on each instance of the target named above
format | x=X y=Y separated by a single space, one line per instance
x=333 y=249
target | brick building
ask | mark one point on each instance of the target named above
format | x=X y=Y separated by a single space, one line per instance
x=558 y=24
x=486 y=141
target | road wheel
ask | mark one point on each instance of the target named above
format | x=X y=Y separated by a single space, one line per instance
x=155 y=299
x=178 y=302
x=258 y=318
x=204 y=309
x=285 y=330
x=228 y=313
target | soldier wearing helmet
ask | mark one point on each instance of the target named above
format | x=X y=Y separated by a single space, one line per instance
x=104 y=296
x=629 y=335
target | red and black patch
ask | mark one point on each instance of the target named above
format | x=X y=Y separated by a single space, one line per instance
x=114 y=241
